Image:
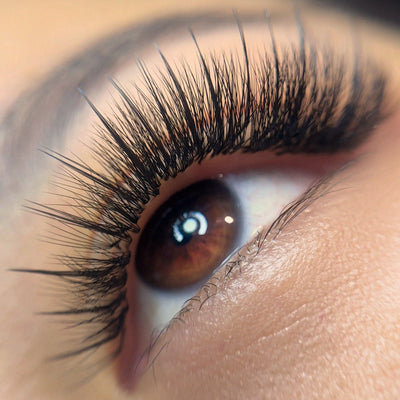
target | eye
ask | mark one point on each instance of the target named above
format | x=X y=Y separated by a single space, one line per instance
x=197 y=228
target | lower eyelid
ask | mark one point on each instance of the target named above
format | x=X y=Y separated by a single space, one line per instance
x=267 y=239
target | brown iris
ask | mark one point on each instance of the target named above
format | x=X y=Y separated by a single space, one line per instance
x=188 y=236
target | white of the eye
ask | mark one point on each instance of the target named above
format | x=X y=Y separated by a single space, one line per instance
x=159 y=307
x=262 y=195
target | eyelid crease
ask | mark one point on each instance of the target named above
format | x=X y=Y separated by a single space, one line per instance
x=297 y=103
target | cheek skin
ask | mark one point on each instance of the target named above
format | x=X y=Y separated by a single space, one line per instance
x=314 y=315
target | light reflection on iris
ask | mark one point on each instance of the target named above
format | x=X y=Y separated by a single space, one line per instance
x=191 y=223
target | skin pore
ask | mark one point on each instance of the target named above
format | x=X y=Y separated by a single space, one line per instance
x=313 y=315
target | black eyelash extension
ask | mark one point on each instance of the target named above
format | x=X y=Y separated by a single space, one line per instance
x=296 y=99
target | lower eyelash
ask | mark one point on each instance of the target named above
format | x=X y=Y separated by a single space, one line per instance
x=262 y=237
x=291 y=103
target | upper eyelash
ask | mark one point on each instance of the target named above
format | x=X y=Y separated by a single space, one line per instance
x=289 y=101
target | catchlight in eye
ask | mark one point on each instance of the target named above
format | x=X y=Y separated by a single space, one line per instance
x=189 y=236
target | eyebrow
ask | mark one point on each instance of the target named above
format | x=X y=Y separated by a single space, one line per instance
x=40 y=117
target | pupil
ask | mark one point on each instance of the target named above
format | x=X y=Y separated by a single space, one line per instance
x=189 y=236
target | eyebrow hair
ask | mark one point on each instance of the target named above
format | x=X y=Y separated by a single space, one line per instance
x=40 y=117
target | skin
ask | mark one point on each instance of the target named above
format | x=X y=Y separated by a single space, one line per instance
x=313 y=315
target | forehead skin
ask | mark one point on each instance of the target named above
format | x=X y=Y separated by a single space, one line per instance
x=300 y=329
